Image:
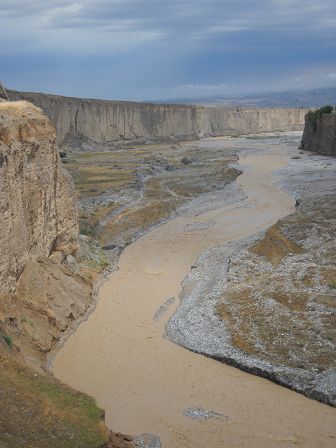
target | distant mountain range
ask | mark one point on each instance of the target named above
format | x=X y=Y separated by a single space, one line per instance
x=291 y=98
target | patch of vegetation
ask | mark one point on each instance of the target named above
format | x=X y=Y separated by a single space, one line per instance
x=89 y=222
x=139 y=218
x=275 y=245
x=85 y=229
x=101 y=171
x=98 y=264
x=142 y=171
x=8 y=339
x=25 y=319
x=295 y=283
x=313 y=116
x=93 y=260
x=38 y=411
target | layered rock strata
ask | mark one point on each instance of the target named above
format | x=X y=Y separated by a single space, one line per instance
x=44 y=286
x=37 y=201
x=88 y=123
x=47 y=273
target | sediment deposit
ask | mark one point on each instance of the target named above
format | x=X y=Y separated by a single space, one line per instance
x=123 y=193
x=92 y=124
x=267 y=304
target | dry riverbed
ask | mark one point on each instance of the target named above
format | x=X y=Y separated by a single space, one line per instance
x=146 y=383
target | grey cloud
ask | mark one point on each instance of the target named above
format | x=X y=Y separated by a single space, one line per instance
x=28 y=8
x=194 y=45
x=198 y=16
x=174 y=16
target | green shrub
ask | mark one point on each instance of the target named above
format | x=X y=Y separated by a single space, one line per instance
x=25 y=319
x=84 y=229
x=326 y=109
x=313 y=116
x=7 y=339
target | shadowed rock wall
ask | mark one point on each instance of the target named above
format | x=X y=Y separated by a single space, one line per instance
x=88 y=123
x=320 y=134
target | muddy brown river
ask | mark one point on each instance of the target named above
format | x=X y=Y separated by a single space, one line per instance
x=145 y=382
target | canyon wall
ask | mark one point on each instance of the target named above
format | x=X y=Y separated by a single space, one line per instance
x=320 y=134
x=223 y=121
x=45 y=277
x=89 y=123
x=37 y=199
x=42 y=290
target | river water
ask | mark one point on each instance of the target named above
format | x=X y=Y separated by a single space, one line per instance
x=146 y=383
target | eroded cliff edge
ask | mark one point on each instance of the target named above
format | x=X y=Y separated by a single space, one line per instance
x=320 y=133
x=46 y=284
x=41 y=292
x=37 y=202
x=47 y=271
x=89 y=123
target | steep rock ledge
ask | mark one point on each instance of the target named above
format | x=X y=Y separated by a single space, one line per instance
x=89 y=123
x=37 y=202
x=45 y=284
x=320 y=134
x=46 y=276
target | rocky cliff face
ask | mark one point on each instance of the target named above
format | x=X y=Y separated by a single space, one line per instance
x=320 y=134
x=224 y=121
x=37 y=201
x=87 y=123
x=43 y=288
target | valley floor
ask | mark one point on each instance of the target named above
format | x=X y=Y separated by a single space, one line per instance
x=148 y=384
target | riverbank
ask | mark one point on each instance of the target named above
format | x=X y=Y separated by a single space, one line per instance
x=266 y=304
x=146 y=383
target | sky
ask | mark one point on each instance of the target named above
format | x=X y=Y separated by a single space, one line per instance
x=167 y=49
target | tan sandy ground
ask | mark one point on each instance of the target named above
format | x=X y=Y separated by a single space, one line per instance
x=145 y=382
